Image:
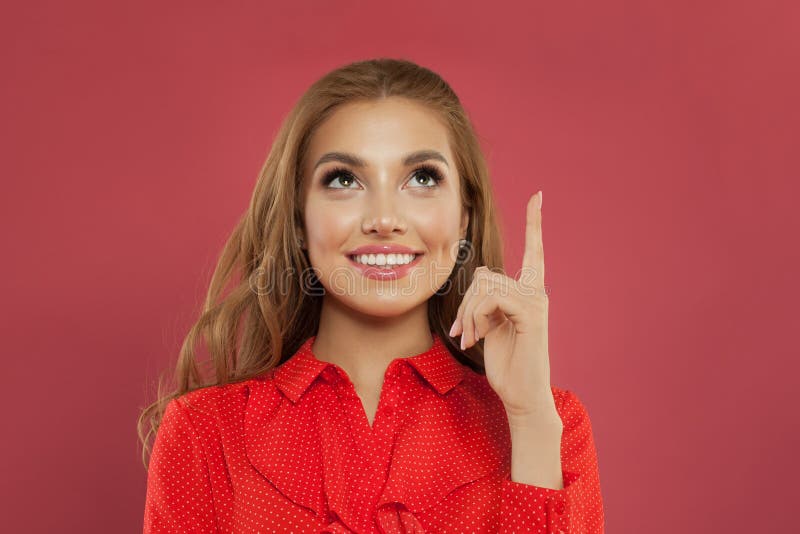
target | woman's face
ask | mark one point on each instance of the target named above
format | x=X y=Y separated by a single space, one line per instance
x=380 y=197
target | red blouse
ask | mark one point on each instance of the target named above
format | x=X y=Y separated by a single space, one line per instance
x=293 y=451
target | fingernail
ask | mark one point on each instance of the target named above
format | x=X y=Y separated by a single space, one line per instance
x=462 y=341
x=452 y=328
x=541 y=199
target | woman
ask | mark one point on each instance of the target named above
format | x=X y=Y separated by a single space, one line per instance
x=338 y=399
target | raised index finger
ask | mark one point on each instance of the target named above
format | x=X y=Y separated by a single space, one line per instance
x=533 y=259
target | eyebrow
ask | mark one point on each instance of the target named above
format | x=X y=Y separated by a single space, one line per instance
x=355 y=161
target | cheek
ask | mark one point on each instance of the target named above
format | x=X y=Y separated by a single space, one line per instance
x=439 y=233
x=438 y=227
x=328 y=227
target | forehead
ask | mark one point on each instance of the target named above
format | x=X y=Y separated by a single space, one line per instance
x=377 y=129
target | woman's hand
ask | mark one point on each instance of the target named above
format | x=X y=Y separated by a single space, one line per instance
x=511 y=316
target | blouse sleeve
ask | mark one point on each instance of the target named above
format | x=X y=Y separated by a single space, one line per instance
x=179 y=496
x=575 y=509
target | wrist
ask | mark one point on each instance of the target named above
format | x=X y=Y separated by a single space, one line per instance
x=542 y=415
x=536 y=425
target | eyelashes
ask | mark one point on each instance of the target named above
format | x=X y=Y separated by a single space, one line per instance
x=341 y=172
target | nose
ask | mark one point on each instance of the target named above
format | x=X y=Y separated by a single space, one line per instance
x=383 y=219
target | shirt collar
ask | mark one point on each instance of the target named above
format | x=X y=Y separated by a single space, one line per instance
x=436 y=365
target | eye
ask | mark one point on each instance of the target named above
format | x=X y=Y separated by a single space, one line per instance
x=427 y=176
x=339 y=175
x=430 y=175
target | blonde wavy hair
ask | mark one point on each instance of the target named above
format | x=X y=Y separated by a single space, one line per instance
x=248 y=332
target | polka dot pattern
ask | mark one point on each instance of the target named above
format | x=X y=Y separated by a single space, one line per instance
x=293 y=451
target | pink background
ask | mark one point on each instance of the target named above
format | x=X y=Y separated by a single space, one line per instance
x=663 y=134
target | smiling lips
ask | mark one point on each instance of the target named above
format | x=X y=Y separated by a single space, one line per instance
x=393 y=266
x=384 y=262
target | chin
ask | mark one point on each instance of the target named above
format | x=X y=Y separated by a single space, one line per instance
x=389 y=305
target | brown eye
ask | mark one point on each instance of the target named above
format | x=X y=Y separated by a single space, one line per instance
x=341 y=176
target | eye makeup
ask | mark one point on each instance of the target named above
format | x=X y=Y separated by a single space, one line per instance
x=341 y=172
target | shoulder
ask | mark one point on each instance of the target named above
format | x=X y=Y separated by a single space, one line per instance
x=212 y=404
x=201 y=421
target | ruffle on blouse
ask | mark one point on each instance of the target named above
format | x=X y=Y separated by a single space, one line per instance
x=282 y=442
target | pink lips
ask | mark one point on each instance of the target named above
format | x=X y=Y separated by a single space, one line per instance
x=379 y=273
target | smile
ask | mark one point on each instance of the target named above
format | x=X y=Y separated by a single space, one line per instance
x=384 y=266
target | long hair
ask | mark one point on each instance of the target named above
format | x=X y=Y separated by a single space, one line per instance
x=248 y=331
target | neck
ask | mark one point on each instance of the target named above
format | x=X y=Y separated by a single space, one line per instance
x=364 y=345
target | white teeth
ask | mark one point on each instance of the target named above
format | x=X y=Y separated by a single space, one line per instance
x=383 y=260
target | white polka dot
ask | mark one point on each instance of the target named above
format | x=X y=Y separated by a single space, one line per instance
x=293 y=451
